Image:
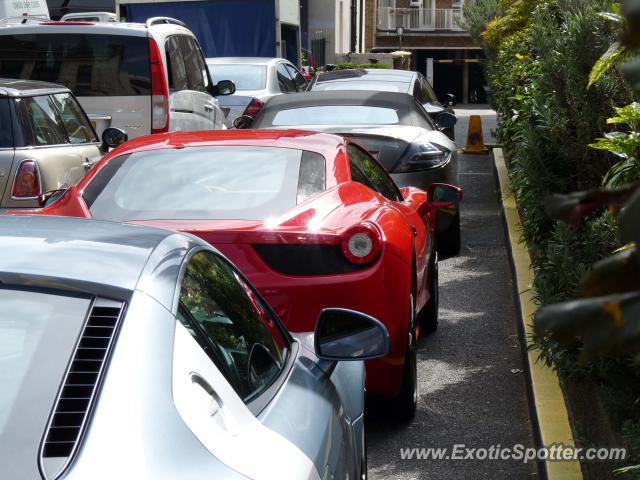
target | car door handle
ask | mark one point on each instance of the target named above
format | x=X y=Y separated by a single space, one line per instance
x=208 y=107
x=215 y=401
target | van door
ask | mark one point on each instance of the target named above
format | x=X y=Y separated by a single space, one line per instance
x=205 y=107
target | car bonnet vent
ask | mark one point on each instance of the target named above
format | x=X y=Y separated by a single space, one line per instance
x=80 y=386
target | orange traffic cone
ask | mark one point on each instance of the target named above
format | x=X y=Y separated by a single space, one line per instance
x=475 y=138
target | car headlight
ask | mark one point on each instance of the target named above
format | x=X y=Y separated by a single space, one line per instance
x=422 y=156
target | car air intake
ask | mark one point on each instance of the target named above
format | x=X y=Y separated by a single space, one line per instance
x=80 y=386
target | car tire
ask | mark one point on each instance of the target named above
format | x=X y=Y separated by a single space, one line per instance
x=449 y=241
x=406 y=402
x=428 y=316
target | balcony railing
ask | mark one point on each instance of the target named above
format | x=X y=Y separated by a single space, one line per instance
x=420 y=19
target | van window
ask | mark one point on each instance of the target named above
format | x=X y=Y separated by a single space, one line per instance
x=88 y=64
x=195 y=73
x=175 y=65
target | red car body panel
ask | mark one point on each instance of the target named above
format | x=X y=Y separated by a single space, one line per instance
x=381 y=289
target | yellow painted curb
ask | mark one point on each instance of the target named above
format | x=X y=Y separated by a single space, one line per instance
x=551 y=410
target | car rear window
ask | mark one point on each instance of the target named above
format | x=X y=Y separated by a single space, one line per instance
x=362 y=85
x=219 y=182
x=336 y=114
x=38 y=332
x=90 y=65
x=245 y=77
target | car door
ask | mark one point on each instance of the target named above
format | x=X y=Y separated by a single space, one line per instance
x=43 y=138
x=258 y=391
x=206 y=111
x=285 y=82
x=180 y=95
x=298 y=80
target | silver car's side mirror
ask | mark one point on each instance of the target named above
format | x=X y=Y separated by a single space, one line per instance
x=113 y=137
x=445 y=120
x=343 y=334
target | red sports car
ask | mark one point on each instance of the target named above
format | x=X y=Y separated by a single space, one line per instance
x=311 y=219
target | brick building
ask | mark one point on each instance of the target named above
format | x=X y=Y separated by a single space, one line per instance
x=433 y=32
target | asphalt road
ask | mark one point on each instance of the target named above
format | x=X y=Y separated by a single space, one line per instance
x=472 y=389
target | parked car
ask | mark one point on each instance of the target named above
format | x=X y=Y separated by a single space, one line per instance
x=46 y=141
x=393 y=127
x=387 y=80
x=256 y=81
x=311 y=219
x=142 y=78
x=149 y=347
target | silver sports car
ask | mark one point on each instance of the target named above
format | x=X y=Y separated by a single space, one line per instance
x=129 y=352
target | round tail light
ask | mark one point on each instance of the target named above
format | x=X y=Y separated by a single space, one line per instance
x=362 y=244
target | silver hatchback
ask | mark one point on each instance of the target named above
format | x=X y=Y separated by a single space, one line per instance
x=46 y=141
x=131 y=352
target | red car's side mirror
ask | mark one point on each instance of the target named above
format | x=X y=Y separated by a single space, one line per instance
x=441 y=195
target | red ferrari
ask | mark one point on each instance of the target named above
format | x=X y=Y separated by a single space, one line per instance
x=311 y=219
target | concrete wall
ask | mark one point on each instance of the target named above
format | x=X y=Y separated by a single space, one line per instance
x=385 y=58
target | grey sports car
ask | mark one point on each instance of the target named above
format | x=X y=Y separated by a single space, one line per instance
x=130 y=352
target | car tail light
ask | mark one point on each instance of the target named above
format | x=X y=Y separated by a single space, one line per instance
x=421 y=156
x=362 y=244
x=27 y=181
x=253 y=108
x=159 y=91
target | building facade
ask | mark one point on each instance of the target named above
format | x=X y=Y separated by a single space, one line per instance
x=433 y=32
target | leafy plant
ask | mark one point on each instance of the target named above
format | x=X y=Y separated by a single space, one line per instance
x=623 y=144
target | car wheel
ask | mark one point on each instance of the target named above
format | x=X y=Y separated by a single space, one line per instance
x=449 y=241
x=428 y=316
x=406 y=402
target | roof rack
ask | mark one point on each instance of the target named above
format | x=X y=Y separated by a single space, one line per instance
x=17 y=19
x=164 y=20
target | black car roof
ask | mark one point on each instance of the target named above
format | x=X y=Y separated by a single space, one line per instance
x=341 y=97
x=28 y=88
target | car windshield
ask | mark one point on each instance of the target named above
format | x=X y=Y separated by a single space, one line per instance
x=334 y=114
x=218 y=182
x=90 y=65
x=245 y=77
x=38 y=332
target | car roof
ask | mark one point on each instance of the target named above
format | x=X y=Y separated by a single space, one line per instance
x=27 y=88
x=371 y=74
x=340 y=97
x=100 y=28
x=63 y=251
x=244 y=60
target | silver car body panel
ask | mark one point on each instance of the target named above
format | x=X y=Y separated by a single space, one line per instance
x=310 y=428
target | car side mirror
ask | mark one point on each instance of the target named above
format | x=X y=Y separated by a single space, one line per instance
x=445 y=120
x=52 y=196
x=113 y=137
x=343 y=335
x=452 y=100
x=223 y=88
x=243 y=121
x=440 y=195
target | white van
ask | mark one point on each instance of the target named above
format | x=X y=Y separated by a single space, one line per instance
x=23 y=11
x=142 y=78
